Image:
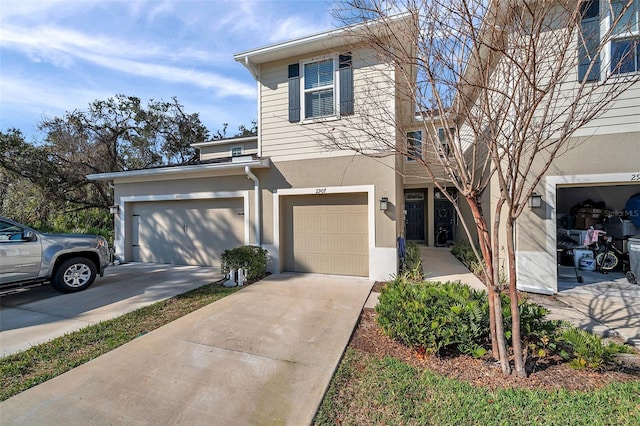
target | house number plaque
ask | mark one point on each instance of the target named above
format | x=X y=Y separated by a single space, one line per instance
x=321 y=190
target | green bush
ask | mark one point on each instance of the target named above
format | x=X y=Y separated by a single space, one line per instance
x=251 y=258
x=464 y=252
x=453 y=317
x=586 y=350
x=539 y=335
x=413 y=263
x=436 y=317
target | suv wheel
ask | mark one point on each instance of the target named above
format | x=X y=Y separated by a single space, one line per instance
x=73 y=275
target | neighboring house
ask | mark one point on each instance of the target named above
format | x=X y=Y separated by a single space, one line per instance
x=317 y=209
x=603 y=164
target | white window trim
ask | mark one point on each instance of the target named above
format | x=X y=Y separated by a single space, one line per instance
x=336 y=91
x=606 y=55
x=237 y=147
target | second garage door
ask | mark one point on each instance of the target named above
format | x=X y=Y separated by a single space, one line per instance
x=186 y=232
x=326 y=234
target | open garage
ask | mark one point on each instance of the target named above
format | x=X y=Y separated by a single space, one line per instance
x=587 y=216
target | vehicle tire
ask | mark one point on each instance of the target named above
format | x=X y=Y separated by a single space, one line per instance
x=74 y=274
x=607 y=263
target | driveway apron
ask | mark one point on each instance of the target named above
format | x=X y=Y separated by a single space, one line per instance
x=264 y=355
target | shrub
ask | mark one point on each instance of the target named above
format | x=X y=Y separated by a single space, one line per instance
x=539 y=335
x=434 y=316
x=412 y=268
x=464 y=252
x=453 y=317
x=586 y=350
x=251 y=258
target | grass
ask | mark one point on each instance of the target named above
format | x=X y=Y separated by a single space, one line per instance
x=370 y=390
x=40 y=363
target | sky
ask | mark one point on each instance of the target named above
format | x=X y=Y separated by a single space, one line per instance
x=60 y=55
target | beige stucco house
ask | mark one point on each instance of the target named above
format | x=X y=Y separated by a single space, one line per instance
x=320 y=209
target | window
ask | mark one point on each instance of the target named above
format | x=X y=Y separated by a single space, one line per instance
x=236 y=151
x=10 y=232
x=414 y=145
x=444 y=138
x=315 y=94
x=318 y=89
x=625 y=46
x=589 y=41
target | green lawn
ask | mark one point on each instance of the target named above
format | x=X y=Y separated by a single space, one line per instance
x=40 y=363
x=367 y=390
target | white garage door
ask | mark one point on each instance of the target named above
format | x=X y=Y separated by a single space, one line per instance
x=326 y=234
x=186 y=232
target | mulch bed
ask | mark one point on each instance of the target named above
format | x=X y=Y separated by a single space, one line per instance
x=550 y=373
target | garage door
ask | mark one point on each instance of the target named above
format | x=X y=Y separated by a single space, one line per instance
x=326 y=234
x=186 y=232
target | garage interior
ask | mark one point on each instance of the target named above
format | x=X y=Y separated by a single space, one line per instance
x=586 y=217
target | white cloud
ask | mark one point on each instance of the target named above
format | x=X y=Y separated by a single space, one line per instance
x=64 y=48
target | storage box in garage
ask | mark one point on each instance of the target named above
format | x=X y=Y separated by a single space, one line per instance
x=619 y=228
x=590 y=212
x=584 y=222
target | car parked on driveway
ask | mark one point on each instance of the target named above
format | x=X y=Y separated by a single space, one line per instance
x=70 y=262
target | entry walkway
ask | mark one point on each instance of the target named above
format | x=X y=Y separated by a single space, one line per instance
x=263 y=355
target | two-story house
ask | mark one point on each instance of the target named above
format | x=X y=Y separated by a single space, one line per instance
x=317 y=208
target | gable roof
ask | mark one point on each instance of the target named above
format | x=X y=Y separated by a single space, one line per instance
x=313 y=43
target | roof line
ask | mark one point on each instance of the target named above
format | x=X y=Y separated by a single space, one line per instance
x=174 y=170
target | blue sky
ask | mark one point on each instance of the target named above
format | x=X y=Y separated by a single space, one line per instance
x=59 y=55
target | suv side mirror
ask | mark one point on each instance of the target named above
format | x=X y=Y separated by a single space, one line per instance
x=28 y=236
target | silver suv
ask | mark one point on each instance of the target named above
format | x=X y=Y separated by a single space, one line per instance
x=69 y=261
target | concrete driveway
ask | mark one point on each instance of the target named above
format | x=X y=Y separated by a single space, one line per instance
x=40 y=314
x=261 y=356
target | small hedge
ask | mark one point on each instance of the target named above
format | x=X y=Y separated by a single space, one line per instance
x=436 y=317
x=251 y=258
x=453 y=318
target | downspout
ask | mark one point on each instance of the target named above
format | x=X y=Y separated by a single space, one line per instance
x=256 y=189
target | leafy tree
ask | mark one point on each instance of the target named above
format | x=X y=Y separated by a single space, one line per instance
x=116 y=134
x=243 y=131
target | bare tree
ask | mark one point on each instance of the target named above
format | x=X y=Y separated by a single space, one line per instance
x=499 y=89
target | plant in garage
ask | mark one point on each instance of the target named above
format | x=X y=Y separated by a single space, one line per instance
x=251 y=258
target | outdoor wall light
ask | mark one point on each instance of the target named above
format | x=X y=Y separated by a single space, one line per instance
x=535 y=201
x=384 y=204
x=114 y=209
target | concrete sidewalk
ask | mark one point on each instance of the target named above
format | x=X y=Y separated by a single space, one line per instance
x=264 y=355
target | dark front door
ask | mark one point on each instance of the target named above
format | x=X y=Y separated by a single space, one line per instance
x=445 y=220
x=415 y=220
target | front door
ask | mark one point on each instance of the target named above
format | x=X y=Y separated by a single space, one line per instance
x=414 y=205
x=445 y=220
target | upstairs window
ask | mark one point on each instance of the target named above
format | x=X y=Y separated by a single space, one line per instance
x=414 y=145
x=236 y=151
x=589 y=41
x=444 y=136
x=319 y=89
x=325 y=88
x=625 y=46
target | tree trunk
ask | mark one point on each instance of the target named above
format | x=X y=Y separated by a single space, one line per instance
x=516 y=337
x=484 y=240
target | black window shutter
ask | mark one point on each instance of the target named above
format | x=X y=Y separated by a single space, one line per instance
x=294 y=93
x=346 y=84
x=588 y=41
